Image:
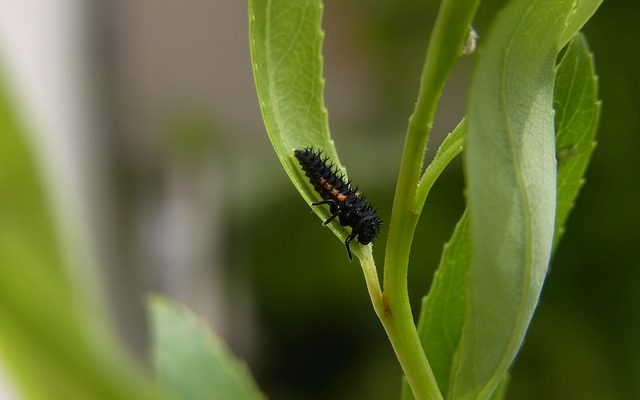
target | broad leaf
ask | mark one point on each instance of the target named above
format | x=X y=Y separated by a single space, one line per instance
x=511 y=175
x=577 y=110
x=441 y=316
x=191 y=361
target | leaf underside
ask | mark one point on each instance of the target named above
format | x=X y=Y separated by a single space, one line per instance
x=444 y=318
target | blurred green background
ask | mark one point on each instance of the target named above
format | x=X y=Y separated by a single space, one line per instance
x=145 y=128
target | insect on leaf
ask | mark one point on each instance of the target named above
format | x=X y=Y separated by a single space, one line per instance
x=286 y=42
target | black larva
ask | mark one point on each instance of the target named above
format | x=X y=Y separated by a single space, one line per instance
x=345 y=202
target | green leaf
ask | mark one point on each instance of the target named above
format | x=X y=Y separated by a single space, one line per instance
x=47 y=340
x=193 y=362
x=501 y=389
x=511 y=175
x=286 y=40
x=577 y=110
x=286 y=43
x=443 y=309
x=583 y=11
x=577 y=114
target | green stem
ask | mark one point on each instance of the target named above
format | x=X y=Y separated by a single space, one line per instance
x=371 y=279
x=448 y=150
x=446 y=43
x=408 y=350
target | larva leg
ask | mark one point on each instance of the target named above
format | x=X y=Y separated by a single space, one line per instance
x=346 y=243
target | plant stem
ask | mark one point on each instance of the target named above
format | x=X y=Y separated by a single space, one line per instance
x=446 y=43
x=407 y=347
x=371 y=279
x=448 y=150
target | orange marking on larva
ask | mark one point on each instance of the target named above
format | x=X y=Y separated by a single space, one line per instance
x=335 y=193
x=339 y=196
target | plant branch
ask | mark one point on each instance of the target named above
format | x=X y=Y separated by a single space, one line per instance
x=448 y=150
x=371 y=279
x=447 y=41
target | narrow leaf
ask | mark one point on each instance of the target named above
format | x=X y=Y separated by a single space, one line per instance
x=286 y=52
x=577 y=114
x=511 y=174
x=191 y=361
x=443 y=310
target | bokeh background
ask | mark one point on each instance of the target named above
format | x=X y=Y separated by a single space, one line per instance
x=144 y=121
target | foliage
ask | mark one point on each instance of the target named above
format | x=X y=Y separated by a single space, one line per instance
x=47 y=332
x=474 y=319
x=191 y=361
x=487 y=287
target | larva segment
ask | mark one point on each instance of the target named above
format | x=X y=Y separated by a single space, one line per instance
x=345 y=202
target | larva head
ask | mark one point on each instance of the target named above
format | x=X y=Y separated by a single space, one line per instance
x=368 y=229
